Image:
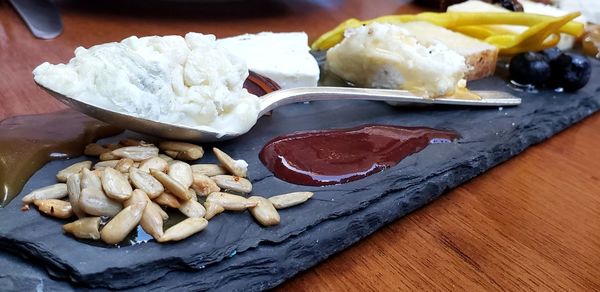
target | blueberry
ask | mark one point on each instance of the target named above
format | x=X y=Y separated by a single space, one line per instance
x=530 y=68
x=512 y=5
x=551 y=54
x=571 y=71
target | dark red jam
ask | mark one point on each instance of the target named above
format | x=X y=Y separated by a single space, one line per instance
x=328 y=157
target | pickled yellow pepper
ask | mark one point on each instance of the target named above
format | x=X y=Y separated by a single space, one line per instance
x=543 y=30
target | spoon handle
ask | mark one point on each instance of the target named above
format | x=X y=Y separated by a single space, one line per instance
x=286 y=96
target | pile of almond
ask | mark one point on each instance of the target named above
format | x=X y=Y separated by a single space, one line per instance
x=133 y=182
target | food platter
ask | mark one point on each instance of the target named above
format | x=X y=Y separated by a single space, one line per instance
x=234 y=252
x=336 y=217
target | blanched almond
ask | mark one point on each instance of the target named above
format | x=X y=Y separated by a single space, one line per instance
x=290 y=199
x=137 y=196
x=115 y=185
x=167 y=158
x=212 y=209
x=55 y=191
x=85 y=228
x=172 y=154
x=184 y=229
x=208 y=169
x=230 y=202
x=108 y=156
x=204 y=185
x=157 y=163
x=171 y=185
x=167 y=199
x=90 y=180
x=181 y=172
x=233 y=183
x=235 y=167
x=146 y=182
x=152 y=220
x=54 y=207
x=136 y=153
x=264 y=212
x=106 y=163
x=123 y=223
x=192 y=209
x=193 y=194
x=124 y=165
x=74 y=191
x=185 y=151
x=160 y=210
x=93 y=201
x=62 y=175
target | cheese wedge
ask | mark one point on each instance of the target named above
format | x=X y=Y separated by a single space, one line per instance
x=383 y=55
x=480 y=57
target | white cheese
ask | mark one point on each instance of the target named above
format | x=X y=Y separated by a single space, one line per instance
x=282 y=57
x=388 y=56
x=189 y=81
x=541 y=8
x=528 y=6
x=589 y=8
x=475 y=6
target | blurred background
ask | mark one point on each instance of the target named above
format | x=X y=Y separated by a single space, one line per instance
x=43 y=17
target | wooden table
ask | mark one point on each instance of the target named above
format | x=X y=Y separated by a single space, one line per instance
x=531 y=223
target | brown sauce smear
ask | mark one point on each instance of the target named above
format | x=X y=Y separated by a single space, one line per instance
x=318 y=158
x=29 y=142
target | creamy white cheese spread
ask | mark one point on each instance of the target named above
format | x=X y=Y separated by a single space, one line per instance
x=190 y=81
x=387 y=56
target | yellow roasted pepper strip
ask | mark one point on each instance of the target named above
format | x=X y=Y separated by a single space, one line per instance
x=485 y=31
x=449 y=20
x=454 y=19
x=336 y=35
x=535 y=36
x=481 y=31
x=550 y=42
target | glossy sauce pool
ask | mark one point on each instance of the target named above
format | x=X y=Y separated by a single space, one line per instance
x=28 y=142
x=328 y=157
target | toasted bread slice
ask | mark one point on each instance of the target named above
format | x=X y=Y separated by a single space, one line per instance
x=480 y=57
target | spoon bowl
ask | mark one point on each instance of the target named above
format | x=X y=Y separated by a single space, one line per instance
x=273 y=100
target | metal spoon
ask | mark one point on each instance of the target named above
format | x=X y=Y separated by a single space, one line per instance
x=275 y=99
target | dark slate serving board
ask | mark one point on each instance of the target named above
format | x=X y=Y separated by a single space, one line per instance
x=234 y=253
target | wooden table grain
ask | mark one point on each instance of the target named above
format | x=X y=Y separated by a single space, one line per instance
x=532 y=223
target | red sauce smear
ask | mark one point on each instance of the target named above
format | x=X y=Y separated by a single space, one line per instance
x=317 y=158
x=260 y=85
